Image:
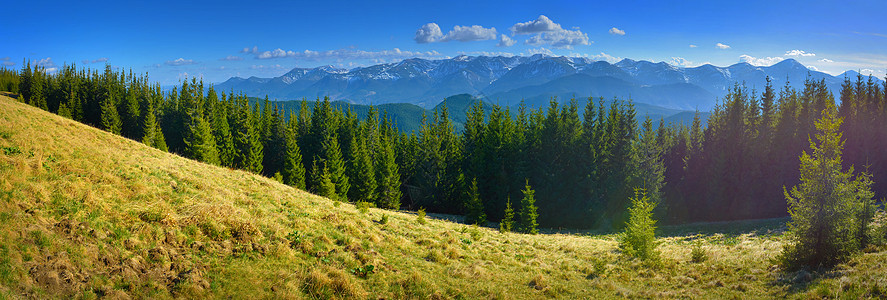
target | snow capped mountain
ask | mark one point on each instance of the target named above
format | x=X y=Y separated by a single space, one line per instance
x=509 y=79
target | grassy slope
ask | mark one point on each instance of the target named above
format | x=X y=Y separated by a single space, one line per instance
x=84 y=213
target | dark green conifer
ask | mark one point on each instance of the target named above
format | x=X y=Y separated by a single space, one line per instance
x=528 y=212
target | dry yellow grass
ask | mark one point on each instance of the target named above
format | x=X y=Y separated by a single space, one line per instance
x=86 y=214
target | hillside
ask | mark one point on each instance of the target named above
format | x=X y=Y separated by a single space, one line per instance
x=87 y=214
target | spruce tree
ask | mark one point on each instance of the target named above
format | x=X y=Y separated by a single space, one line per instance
x=149 y=124
x=64 y=111
x=364 y=186
x=247 y=144
x=293 y=172
x=829 y=206
x=336 y=168
x=639 y=238
x=110 y=120
x=474 y=208
x=507 y=223
x=324 y=185
x=388 y=175
x=159 y=140
x=528 y=212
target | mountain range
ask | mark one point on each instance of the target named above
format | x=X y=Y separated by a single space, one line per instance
x=532 y=79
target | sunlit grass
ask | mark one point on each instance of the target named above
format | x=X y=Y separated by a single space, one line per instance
x=86 y=214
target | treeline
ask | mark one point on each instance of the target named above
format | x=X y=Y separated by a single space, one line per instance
x=737 y=167
x=584 y=166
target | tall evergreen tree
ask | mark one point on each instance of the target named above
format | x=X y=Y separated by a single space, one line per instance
x=474 y=208
x=528 y=212
x=110 y=120
x=335 y=165
x=363 y=187
x=388 y=175
x=828 y=206
x=293 y=172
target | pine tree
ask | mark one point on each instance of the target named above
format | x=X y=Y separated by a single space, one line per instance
x=159 y=140
x=650 y=168
x=335 y=166
x=474 y=207
x=364 y=186
x=64 y=111
x=110 y=120
x=293 y=172
x=149 y=124
x=829 y=206
x=200 y=144
x=388 y=175
x=324 y=187
x=247 y=144
x=639 y=238
x=528 y=212
x=507 y=223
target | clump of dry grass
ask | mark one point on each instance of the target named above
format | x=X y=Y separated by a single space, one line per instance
x=137 y=222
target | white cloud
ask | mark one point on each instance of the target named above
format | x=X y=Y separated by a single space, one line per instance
x=541 y=24
x=4 y=58
x=264 y=67
x=428 y=33
x=826 y=60
x=760 y=62
x=606 y=57
x=8 y=63
x=347 y=54
x=692 y=46
x=597 y=57
x=617 y=31
x=563 y=39
x=506 y=41
x=680 y=62
x=722 y=46
x=46 y=63
x=231 y=57
x=180 y=62
x=276 y=53
x=485 y=53
x=252 y=50
x=469 y=34
x=550 y=33
x=51 y=70
x=98 y=60
x=871 y=72
x=798 y=53
x=541 y=50
x=812 y=68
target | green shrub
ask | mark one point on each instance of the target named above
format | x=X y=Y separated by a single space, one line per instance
x=698 y=255
x=639 y=238
x=420 y=216
x=383 y=220
x=364 y=206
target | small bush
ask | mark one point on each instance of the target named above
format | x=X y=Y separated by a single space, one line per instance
x=420 y=216
x=363 y=206
x=383 y=220
x=639 y=238
x=698 y=255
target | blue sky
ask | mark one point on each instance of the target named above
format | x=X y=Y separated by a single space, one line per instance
x=216 y=40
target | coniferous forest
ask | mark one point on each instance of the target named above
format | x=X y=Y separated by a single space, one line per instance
x=584 y=166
